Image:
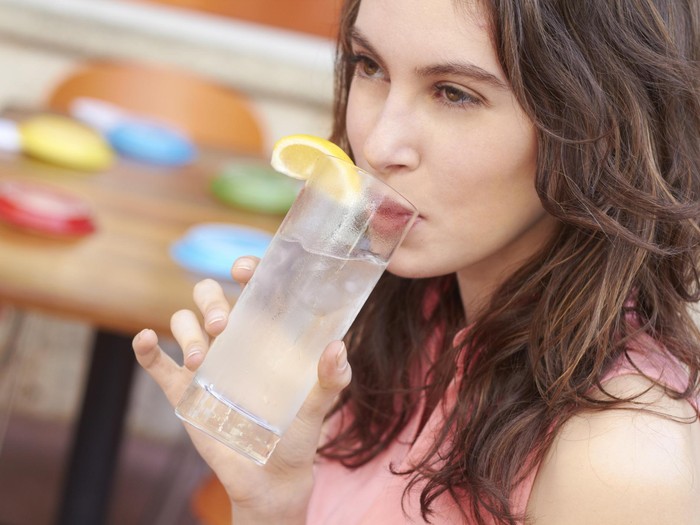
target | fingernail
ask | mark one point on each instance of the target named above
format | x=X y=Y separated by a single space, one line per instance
x=215 y=316
x=142 y=333
x=243 y=264
x=341 y=358
x=194 y=352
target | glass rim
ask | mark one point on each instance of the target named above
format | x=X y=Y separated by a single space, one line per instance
x=408 y=204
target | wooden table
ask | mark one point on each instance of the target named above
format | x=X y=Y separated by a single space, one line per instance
x=120 y=279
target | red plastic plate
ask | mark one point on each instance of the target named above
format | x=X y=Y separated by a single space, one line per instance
x=44 y=209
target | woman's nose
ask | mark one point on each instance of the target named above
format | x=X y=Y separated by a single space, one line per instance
x=392 y=144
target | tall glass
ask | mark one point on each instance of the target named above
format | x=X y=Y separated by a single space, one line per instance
x=318 y=271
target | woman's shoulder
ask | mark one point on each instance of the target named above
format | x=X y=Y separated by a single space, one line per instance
x=639 y=463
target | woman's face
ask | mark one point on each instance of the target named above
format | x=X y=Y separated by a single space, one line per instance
x=430 y=112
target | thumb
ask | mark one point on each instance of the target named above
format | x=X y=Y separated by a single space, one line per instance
x=299 y=443
x=334 y=375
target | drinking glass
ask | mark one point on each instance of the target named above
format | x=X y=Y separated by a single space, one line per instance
x=320 y=267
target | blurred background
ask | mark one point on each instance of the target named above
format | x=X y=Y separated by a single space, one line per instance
x=276 y=56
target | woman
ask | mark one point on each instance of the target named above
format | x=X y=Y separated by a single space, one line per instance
x=530 y=356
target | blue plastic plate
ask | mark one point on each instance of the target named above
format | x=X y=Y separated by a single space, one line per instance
x=151 y=143
x=210 y=249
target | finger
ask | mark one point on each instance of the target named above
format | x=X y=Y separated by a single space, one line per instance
x=243 y=269
x=189 y=335
x=209 y=297
x=166 y=373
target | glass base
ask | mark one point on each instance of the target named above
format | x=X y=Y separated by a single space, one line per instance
x=203 y=409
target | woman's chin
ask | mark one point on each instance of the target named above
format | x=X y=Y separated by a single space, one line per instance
x=407 y=268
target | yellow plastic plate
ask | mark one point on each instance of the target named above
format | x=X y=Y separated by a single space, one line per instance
x=64 y=142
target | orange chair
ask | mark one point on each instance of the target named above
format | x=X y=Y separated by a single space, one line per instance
x=210 y=504
x=317 y=17
x=213 y=115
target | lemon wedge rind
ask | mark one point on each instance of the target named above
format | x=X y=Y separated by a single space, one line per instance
x=296 y=156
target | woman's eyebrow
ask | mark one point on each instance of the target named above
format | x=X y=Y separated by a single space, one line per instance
x=449 y=68
x=463 y=69
x=359 y=39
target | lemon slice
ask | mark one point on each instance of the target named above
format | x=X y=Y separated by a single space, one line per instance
x=297 y=156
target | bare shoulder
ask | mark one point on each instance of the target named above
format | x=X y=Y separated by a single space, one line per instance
x=623 y=466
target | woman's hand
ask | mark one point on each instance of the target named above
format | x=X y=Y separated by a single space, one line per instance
x=277 y=492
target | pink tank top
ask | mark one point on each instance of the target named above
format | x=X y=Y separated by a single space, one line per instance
x=372 y=495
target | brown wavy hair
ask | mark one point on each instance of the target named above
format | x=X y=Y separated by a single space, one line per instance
x=612 y=87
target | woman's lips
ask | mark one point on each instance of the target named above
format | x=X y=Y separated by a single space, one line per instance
x=391 y=217
x=392 y=210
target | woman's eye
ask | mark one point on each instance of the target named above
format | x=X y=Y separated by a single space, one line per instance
x=452 y=95
x=365 y=66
